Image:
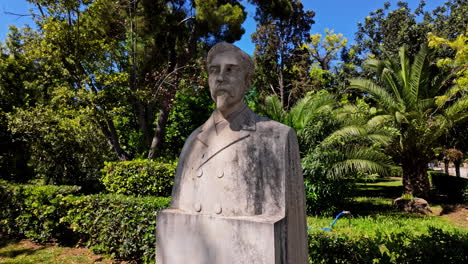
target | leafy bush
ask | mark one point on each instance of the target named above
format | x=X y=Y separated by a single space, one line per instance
x=454 y=187
x=66 y=147
x=192 y=106
x=34 y=211
x=435 y=246
x=139 y=177
x=324 y=195
x=121 y=226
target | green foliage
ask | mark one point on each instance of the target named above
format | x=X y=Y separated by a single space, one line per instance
x=18 y=74
x=408 y=99
x=65 y=147
x=325 y=50
x=455 y=188
x=434 y=246
x=385 y=30
x=121 y=226
x=192 y=106
x=34 y=211
x=281 y=68
x=336 y=144
x=139 y=177
x=325 y=196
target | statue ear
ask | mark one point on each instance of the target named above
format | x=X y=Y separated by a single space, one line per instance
x=248 y=82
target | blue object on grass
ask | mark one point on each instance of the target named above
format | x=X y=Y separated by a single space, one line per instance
x=334 y=221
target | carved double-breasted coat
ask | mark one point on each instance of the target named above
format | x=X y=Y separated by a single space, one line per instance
x=251 y=167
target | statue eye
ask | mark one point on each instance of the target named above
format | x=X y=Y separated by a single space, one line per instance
x=214 y=69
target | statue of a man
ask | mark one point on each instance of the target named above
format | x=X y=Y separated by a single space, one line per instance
x=238 y=193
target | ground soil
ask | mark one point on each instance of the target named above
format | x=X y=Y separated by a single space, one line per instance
x=457 y=214
x=85 y=253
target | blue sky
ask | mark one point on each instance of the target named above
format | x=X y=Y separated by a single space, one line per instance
x=340 y=15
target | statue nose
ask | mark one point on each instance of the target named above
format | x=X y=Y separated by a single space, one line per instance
x=220 y=77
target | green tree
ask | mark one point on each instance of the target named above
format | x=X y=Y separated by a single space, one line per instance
x=387 y=30
x=408 y=97
x=337 y=142
x=282 y=29
x=65 y=147
x=131 y=57
x=18 y=73
x=324 y=50
x=321 y=52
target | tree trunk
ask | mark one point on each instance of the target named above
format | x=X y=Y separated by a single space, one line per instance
x=446 y=165
x=159 y=132
x=415 y=180
x=108 y=129
x=457 y=168
x=407 y=188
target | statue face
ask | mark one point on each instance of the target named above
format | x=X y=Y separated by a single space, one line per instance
x=227 y=80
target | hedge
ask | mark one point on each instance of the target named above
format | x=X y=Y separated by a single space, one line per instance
x=139 y=177
x=118 y=225
x=455 y=188
x=34 y=211
x=436 y=246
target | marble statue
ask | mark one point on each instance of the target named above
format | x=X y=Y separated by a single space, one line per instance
x=238 y=194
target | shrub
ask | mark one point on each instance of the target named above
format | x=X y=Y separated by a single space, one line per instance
x=454 y=187
x=435 y=246
x=34 y=211
x=118 y=225
x=139 y=177
x=327 y=196
x=324 y=195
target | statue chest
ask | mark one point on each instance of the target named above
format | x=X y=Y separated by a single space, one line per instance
x=240 y=177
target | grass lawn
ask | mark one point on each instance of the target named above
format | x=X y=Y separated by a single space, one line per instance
x=27 y=252
x=372 y=212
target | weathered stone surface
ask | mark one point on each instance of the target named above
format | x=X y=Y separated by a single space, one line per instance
x=238 y=194
x=201 y=239
x=416 y=205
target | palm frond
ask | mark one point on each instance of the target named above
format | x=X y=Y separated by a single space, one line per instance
x=273 y=109
x=404 y=63
x=448 y=95
x=382 y=96
x=383 y=139
x=347 y=132
x=459 y=110
x=425 y=104
x=374 y=65
x=360 y=159
x=391 y=81
x=379 y=120
x=309 y=106
x=418 y=70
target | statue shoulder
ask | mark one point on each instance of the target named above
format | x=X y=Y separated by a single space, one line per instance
x=264 y=123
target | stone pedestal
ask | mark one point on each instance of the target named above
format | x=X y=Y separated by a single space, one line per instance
x=190 y=238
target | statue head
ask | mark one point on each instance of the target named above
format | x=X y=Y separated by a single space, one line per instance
x=230 y=71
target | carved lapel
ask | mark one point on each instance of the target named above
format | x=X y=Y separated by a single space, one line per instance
x=239 y=128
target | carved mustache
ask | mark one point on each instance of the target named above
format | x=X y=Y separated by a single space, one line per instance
x=221 y=90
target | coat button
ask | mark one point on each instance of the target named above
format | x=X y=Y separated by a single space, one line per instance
x=218 y=209
x=220 y=175
x=197 y=207
x=199 y=172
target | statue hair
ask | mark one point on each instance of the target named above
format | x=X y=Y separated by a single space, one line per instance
x=245 y=59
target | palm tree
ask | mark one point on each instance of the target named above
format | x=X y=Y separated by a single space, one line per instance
x=351 y=142
x=420 y=103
